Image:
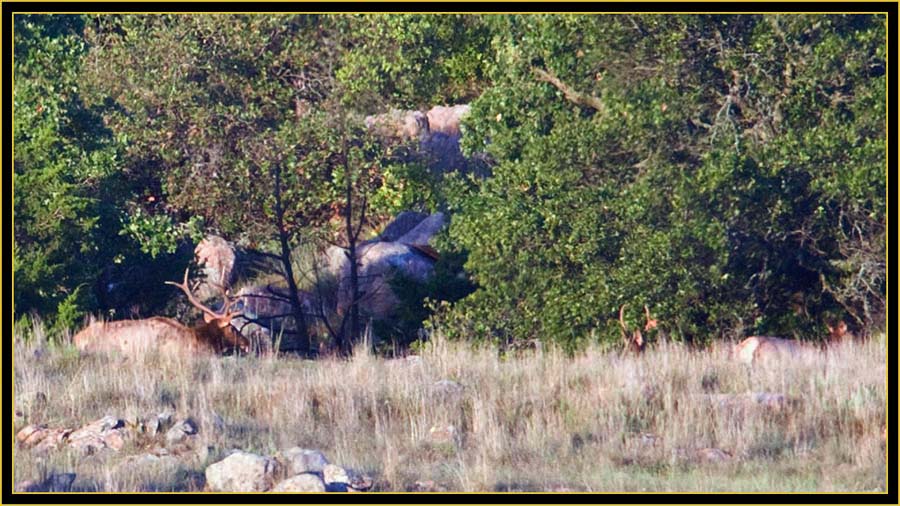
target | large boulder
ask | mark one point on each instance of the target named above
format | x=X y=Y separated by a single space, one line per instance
x=398 y=124
x=242 y=472
x=267 y=313
x=217 y=258
x=425 y=230
x=445 y=119
x=399 y=226
x=378 y=264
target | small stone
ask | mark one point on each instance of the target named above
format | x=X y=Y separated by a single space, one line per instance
x=305 y=482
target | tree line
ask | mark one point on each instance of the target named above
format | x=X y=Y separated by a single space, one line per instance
x=727 y=171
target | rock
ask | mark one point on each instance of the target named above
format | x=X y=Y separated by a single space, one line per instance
x=360 y=482
x=181 y=431
x=217 y=257
x=446 y=119
x=39 y=438
x=305 y=482
x=398 y=124
x=108 y=432
x=399 y=226
x=425 y=230
x=378 y=262
x=299 y=460
x=335 y=474
x=241 y=472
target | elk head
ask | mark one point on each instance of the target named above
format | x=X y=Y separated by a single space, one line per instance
x=216 y=329
x=838 y=333
x=634 y=340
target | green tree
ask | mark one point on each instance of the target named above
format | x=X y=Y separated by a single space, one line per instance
x=679 y=162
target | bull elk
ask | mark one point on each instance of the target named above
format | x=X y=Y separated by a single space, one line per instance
x=214 y=335
x=759 y=349
x=633 y=339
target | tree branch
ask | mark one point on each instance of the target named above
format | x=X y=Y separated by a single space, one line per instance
x=572 y=95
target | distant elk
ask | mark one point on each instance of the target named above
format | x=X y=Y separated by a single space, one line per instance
x=137 y=337
x=763 y=349
x=633 y=340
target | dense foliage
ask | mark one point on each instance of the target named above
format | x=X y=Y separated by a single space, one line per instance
x=726 y=171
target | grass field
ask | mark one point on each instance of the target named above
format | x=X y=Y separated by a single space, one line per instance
x=535 y=421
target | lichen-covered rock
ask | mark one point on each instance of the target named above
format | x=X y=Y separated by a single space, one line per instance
x=306 y=482
x=242 y=472
x=399 y=226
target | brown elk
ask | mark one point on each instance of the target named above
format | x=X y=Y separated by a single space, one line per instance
x=214 y=335
x=634 y=340
x=757 y=349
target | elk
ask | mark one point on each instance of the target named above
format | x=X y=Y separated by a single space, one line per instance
x=757 y=349
x=634 y=340
x=214 y=335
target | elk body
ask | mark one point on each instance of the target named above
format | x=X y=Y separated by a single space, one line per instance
x=170 y=337
x=765 y=349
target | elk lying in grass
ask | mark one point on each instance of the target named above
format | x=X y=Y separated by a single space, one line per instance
x=764 y=349
x=633 y=340
x=136 y=337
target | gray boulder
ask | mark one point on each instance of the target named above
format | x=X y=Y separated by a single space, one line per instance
x=242 y=472
x=306 y=482
x=403 y=223
x=425 y=230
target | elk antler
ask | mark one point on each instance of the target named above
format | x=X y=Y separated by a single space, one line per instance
x=651 y=322
x=636 y=341
x=225 y=315
x=622 y=323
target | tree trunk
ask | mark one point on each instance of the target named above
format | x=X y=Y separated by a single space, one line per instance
x=293 y=291
x=351 y=253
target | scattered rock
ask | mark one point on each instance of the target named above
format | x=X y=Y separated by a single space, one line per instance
x=241 y=472
x=107 y=432
x=305 y=482
x=39 y=438
x=299 y=460
x=181 y=431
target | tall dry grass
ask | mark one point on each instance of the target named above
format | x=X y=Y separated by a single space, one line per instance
x=538 y=421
